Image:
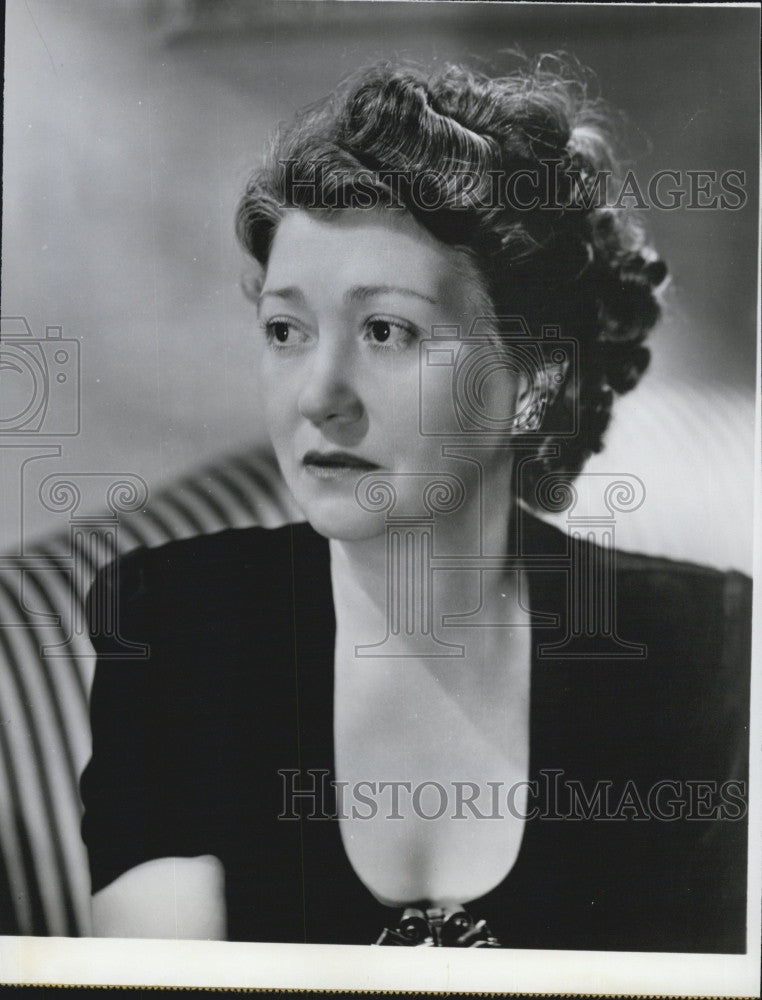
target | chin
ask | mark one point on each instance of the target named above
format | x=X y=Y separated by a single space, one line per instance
x=333 y=511
x=336 y=522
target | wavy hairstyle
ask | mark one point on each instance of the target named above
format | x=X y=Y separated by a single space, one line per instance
x=569 y=261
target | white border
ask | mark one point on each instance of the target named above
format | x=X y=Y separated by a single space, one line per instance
x=364 y=967
x=138 y=962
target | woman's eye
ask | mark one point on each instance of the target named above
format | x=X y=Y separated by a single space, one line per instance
x=283 y=333
x=389 y=334
x=279 y=331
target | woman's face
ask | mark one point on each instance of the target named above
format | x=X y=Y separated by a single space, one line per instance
x=344 y=306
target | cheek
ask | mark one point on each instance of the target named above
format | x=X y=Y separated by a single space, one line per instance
x=279 y=404
x=396 y=405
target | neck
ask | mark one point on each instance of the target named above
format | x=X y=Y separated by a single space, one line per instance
x=359 y=568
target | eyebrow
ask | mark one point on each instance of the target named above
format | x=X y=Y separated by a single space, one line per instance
x=358 y=293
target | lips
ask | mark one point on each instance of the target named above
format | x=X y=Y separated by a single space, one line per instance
x=337 y=460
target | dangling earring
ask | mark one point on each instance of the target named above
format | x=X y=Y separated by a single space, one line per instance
x=528 y=419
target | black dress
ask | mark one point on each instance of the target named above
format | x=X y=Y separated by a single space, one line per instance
x=639 y=766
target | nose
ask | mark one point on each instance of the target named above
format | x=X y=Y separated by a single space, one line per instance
x=328 y=393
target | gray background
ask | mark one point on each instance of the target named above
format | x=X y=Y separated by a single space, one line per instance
x=130 y=128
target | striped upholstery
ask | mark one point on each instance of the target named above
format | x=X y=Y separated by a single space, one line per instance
x=44 y=727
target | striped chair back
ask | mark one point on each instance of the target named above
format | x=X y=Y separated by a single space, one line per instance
x=46 y=668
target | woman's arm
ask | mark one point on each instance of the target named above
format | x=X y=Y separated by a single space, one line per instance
x=151 y=823
x=164 y=898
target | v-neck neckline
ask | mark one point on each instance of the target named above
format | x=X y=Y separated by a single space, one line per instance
x=315 y=644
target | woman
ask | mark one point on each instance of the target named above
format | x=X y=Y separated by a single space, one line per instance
x=386 y=724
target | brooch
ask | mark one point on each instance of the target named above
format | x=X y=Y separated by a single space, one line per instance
x=437 y=927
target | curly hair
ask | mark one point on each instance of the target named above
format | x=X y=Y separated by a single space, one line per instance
x=563 y=259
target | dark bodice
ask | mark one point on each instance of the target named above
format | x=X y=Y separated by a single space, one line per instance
x=638 y=765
